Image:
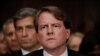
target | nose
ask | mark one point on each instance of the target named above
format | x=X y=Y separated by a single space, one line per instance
x=24 y=33
x=50 y=31
x=13 y=37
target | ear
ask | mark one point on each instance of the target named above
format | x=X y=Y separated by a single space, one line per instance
x=67 y=33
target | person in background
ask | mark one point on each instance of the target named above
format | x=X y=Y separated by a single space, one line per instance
x=9 y=35
x=75 y=40
x=25 y=30
x=3 y=45
x=91 y=41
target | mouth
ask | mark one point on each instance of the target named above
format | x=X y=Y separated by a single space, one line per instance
x=50 y=39
x=14 y=45
x=24 y=41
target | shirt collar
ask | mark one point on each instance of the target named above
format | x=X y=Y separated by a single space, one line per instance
x=40 y=48
x=45 y=53
x=24 y=52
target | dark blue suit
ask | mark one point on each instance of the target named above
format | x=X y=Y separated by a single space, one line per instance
x=17 y=53
x=40 y=53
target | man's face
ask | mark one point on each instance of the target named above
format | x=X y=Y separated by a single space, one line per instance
x=52 y=33
x=11 y=37
x=26 y=33
x=3 y=45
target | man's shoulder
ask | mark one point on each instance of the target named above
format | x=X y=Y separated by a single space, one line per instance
x=74 y=53
x=36 y=53
x=16 y=53
x=40 y=53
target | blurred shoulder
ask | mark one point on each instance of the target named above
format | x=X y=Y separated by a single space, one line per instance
x=36 y=53
x=74 y=53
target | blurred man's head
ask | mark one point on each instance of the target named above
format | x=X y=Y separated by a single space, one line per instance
x=75 y=40
x=3 y=44
x=9 y=34
x=25 y=31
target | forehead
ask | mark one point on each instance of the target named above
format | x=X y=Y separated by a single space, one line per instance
x=10 y=27
x=25 y=21
x=46 y=17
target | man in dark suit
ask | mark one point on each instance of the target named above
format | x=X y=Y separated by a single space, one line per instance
x=3 y=45
x=10 y=37
x=25 y=31
x=53 y=28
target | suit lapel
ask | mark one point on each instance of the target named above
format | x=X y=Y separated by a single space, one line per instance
x=40 y=53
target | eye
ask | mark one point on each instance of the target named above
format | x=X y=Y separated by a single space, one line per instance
x=43 y=27
x=56 y=25
x=18 y=28
x=30 y=27
x=10 y=34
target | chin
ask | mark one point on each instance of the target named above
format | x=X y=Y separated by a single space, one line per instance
x=50 y=47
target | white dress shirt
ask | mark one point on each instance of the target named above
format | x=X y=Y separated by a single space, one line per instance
x=24 y=52
x=45 y=53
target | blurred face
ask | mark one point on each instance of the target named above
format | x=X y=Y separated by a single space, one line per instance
x=26 y=33
x=52 y=33
x=3 y=45
x=75 y=43
x=11 y=37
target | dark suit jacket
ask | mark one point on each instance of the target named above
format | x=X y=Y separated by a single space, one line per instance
x=7 y=54
x=17 y=53
x=40 y=53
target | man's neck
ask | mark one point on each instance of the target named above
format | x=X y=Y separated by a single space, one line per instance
x=56 y=51
x=24 y=52
x=28 y=50
x=32 y=48
x=36 y=47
